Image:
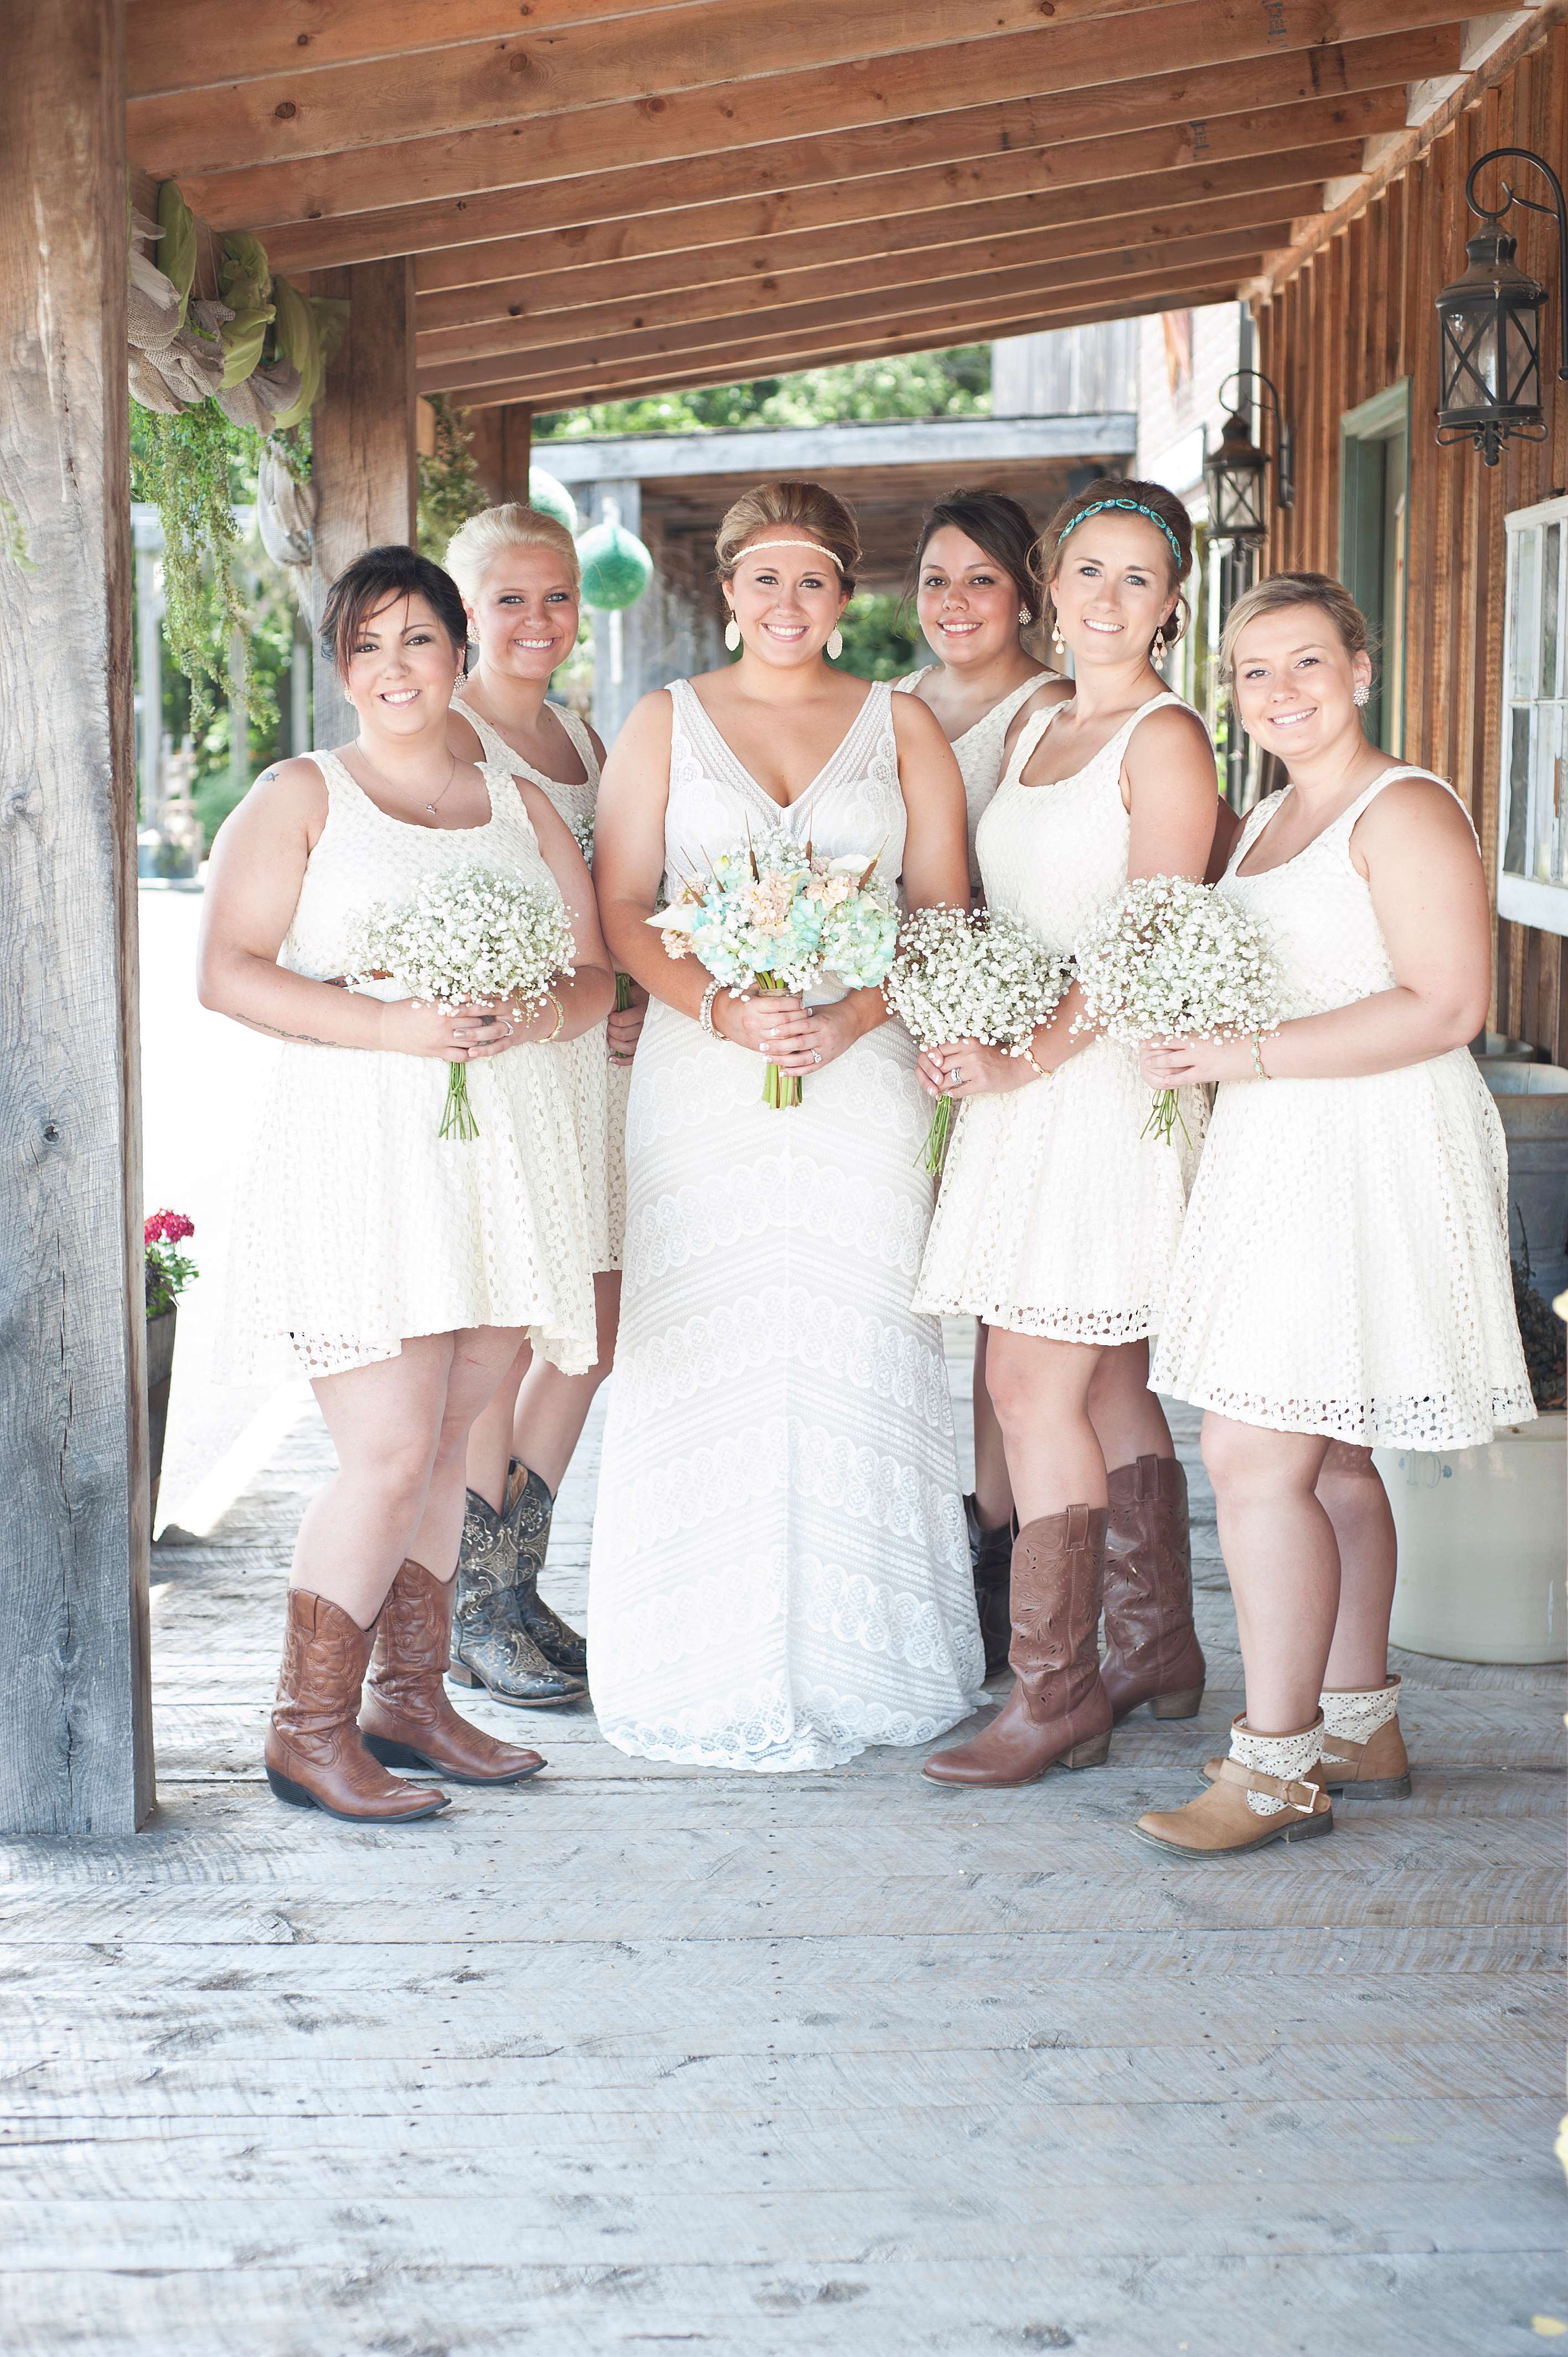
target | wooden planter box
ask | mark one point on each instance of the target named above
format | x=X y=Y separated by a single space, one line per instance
x=160 y=1367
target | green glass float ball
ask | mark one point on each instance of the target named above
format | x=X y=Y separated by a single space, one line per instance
x=617 y=568
x=551 y=499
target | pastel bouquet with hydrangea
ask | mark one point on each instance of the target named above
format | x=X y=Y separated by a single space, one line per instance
x=776 y=915
x=467 y=936
x=971 y=974
x=168 y=1270
x=1170 y=960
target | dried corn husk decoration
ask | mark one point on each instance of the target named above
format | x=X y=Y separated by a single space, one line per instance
x=246 y=286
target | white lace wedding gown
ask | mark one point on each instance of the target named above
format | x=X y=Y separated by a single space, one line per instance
x=780 y=1570
x=599 y=1088
x=355 y=1223
x=1344 y=1266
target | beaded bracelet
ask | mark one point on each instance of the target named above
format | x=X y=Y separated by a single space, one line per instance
x=706 y=1017
x=1258 y=1056
x=1029 y=1053
x=560 y=1019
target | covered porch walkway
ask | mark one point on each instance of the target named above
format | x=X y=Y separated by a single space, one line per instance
x=640 y=2056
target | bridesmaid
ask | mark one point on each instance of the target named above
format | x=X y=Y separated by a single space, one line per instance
x=975 y=595
x=780 y=1573
x=519 y=575
x=401 y=1271
x=1057 y=1218
x=1370 y=1304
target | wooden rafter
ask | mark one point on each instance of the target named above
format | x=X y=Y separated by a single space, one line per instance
x=1092 y=305
x=1138 y=243
x=1154 y=123
x=1185 y=36
x=689 y=286
x=829 y=332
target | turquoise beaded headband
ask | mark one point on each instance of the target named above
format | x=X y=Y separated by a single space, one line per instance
x=1134 y=507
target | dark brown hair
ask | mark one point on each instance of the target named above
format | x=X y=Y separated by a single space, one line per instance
x=1123 y=492
x=373 y=579
x=995 y=524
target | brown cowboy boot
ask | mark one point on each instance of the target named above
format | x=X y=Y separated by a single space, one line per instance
x=314 y=1756
x=530 y=1511
x=1057 y=1709
x=407 y=1720
x=990 y=1556
x=1152 y=1652
x=490 y=1647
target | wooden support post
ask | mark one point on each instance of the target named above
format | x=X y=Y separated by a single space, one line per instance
x=502 y=449
x=75 y=1724
x=362 y=444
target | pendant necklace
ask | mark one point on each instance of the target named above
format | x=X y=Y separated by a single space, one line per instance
x=431 y=808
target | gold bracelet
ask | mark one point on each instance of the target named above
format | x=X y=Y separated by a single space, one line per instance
x=1039 y=1069
x=560 y=1019
x=1258 y=1056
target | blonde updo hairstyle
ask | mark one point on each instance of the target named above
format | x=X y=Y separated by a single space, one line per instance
x=811 y=513
x=1121 y=493
x=474 y=545
x=1319 y=591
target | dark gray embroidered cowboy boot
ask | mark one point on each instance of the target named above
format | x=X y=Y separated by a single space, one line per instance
x=528 y=1513
x=490 y=1648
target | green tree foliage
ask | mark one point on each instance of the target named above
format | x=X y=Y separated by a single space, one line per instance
x=954 y=383
x=881 y=638
x=449 y=491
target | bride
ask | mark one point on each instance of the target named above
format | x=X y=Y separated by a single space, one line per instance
x=780 y=1567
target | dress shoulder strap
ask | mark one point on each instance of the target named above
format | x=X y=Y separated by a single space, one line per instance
x=1032 y=730
x=1160 y=702
x=492 y=744
x=1347 y=819
x=908 y=683
x=576 y=730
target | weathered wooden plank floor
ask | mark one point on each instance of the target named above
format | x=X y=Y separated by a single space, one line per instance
x=834 y=2063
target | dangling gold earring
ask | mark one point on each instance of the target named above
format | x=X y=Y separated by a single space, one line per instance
x=1157 y=651
x=1057 y=642
x=732 y=634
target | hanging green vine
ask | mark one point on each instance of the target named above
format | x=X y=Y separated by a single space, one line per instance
x=450 y=491
x=181 y=466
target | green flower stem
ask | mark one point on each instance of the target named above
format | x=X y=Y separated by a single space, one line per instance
x=780 y=1089
x=457 y=1119
x=624 y=987
x=937 y=1137
x=1164 y=1117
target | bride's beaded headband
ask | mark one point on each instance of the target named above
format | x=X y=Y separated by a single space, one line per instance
x=1134 y=507
x=766 y=546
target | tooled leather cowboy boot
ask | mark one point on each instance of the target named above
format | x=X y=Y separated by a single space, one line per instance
x=314 y=1754
x=406 y=1719
x=1057 y=1709
x=490 y=1648
x=528 y=1513
x=990 y=1559
x=1152 y=1652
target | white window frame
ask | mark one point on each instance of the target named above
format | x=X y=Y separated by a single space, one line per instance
x=1532 y=900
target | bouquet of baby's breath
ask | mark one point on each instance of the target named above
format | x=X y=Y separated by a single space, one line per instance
x=467 y=936
x=971 y=974
x=1173 y=959
x=778 y=916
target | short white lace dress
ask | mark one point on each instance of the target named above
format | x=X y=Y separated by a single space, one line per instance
x=1057 y=1216
x=356 y=1225
x=1344 y=1267
x=599 y=1087
x=780 y=1569
x=979 y=750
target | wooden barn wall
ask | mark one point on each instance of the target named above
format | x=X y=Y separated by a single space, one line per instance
x=1353 y=320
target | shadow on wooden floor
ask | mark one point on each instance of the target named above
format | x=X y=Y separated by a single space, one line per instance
x=643 y=2055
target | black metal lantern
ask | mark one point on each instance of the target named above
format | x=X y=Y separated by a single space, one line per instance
x=1238 y=471
x=1491 y=326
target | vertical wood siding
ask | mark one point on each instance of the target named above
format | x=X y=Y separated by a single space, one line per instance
x=1353 y=320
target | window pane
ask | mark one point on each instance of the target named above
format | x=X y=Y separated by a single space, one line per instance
x=1526 y=607
x=1549 y=789
x=1518 y=790
x=1551 y=565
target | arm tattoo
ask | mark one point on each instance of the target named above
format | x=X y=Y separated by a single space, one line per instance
x=296 y=1038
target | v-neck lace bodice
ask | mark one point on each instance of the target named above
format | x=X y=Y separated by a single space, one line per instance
x=854 y=804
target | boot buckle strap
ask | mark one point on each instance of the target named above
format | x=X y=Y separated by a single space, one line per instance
x=1305 y=1798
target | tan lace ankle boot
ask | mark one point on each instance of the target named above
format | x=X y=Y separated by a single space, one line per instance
x=1057 y=1709
x=1152 y=1652
x=1363 y=1750
x=1262 y=1794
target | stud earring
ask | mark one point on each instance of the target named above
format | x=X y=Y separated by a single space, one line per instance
x=835 y=644
x=1360 y=696
x=732 y=634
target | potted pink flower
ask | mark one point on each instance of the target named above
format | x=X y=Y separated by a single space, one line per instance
x=168 y=1272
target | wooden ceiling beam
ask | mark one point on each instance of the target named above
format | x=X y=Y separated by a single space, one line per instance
x=1129 y=242
x=943 y=311
x=1083 y=221
x=975 y=151
x=1093 y=304
x=1180 y=37
x=182 y=45
x=467 y=85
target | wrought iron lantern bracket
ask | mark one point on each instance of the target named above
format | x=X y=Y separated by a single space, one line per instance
x=1490 y=379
